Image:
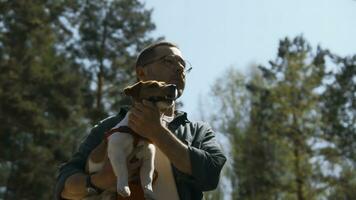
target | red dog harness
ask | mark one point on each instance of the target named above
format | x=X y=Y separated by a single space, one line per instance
x=128 y=130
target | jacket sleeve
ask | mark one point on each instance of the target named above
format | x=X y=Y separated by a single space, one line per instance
x=206 y=159
x=78 y=161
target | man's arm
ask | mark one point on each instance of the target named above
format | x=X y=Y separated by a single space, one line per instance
x=72 y=176
x=206 y=159
x=145 y=119
x=201 y=164
x=75 y=185
x=176 y=151
x=71 y=181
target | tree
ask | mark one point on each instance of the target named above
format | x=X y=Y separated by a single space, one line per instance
x=274 y=128
x=49 y=52
x=230 y=100
x=243 y=109
x=339 y=128
x=261 y=161
x=110 y=34
x=40 y=97
x=293 y=78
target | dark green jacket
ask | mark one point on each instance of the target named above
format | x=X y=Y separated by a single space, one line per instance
x=206 y=157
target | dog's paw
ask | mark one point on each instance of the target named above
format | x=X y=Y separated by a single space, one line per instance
x=124 y=191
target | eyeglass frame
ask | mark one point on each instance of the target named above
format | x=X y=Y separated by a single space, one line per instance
x=178 y=59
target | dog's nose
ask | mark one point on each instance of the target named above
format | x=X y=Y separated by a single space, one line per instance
x=172 y=90
x=172 y=87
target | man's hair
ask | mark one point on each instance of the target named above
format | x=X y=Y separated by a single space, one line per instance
x=148 y=52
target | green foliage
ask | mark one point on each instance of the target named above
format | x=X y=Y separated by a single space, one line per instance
x=258 y=163
x=230 y=98
x=295 y=118
x=40 y=95
x=46 y=93
x=339 y=129
x=292 y=132
x=339 y=107
x=110 y=33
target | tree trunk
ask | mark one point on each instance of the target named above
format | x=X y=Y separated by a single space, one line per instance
x=100 y=74
x=7 y=195
x=99 y=91
x=298 y=173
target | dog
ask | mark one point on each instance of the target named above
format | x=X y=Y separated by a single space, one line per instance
x=121 y=141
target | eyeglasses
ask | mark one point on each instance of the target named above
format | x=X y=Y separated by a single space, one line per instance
x=172 y=60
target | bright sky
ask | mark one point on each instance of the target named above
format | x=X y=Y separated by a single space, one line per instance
x=215 y=35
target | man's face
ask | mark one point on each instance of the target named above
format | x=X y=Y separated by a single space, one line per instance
x=166 y=65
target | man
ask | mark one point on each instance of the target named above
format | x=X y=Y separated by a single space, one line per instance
x=189 y=159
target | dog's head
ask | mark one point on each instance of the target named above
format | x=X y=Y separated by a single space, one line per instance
x=160 y=93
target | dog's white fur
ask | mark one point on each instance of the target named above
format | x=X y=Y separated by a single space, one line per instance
x=120 y=145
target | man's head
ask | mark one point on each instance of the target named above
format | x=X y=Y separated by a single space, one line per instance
x=162 y=61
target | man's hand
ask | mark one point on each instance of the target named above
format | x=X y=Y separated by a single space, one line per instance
x=145 y=119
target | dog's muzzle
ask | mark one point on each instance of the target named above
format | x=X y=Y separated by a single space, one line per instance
x=173 y=93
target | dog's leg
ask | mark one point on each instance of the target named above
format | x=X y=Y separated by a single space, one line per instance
x=147 y=170
x=119 y=146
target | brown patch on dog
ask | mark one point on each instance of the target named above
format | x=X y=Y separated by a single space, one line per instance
x=133 y=90
x=148 y=89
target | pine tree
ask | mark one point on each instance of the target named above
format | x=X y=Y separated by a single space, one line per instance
x=295 y=119
x=230 y=102
x=273 y=128
x=46 y=93
x=260 y=164
x=339 y=129
x=110 y=34
x=40 y=98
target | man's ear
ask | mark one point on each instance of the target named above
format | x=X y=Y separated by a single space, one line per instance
x=133 y=90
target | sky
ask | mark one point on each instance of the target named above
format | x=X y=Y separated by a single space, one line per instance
x=217 y=35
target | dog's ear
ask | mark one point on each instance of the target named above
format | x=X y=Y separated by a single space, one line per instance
x=133 y=90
